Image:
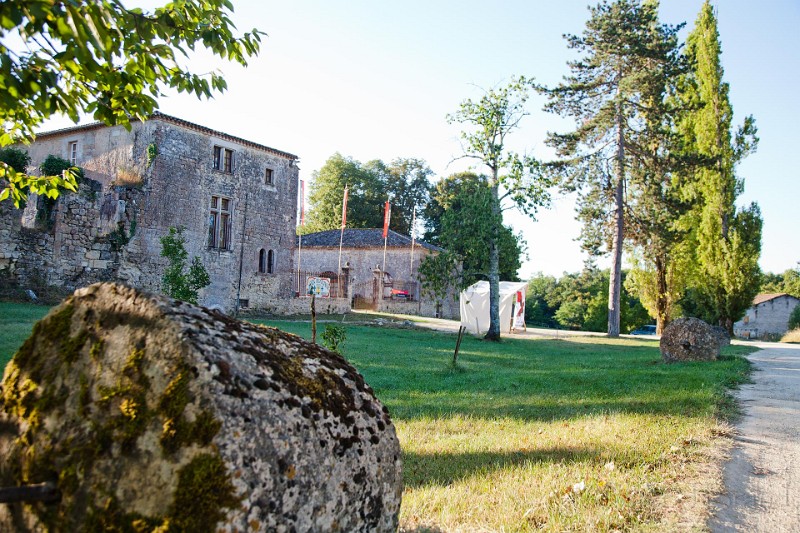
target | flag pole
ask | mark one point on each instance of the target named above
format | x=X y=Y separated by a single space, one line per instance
x=387 y=214
x=341 y=238
x=413 y=222
x=301 y=290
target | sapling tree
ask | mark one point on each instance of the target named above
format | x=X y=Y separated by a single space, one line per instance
x=179 y=282
x=487 y=123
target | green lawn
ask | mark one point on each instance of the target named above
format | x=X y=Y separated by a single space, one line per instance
x=587 y=433
x=503 y=441
x=16 y=323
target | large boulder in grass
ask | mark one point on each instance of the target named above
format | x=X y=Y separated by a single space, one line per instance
x=150 y=414
x=689 y=339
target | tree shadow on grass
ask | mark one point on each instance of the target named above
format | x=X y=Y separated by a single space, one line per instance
x=443 y=469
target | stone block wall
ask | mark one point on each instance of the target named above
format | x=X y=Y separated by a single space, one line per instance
x=302 y=306
x=64 y=246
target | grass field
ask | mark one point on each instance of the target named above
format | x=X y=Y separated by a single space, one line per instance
x=580 y=434
x=16 y=323
x=584 y=434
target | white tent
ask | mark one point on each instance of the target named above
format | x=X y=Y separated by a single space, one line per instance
x=475 y=306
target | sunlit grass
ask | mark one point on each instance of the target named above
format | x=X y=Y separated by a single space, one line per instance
x=585 y=434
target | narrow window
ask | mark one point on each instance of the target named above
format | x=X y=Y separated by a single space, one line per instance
x=72 y=149
x=262 y=261
x=268 y=176
x=271 y=262
x=219 y=223
x=217 y=158
x=228 y=160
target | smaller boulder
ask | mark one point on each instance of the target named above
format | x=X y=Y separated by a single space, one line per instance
x=689 y=339
x=722 y=336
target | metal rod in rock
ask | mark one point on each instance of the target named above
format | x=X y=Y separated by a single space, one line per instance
x=43 y=492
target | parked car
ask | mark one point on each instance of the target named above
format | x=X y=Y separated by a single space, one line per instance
x=645 y=330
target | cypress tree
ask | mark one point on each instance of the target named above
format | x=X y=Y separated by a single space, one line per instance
x=726 y=240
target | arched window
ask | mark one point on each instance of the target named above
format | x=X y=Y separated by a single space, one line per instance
x=262 y=261
x=271 y=262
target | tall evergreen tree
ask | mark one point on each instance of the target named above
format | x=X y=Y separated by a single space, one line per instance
x=726 y=240
x=628 y=54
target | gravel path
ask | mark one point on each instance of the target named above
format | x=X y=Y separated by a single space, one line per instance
x=762 y=476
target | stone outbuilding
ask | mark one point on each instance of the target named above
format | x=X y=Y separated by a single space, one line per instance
x=364 y=280
x=769 y=316
x=237 y=200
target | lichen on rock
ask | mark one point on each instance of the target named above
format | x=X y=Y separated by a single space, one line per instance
x=154 y=415
x=689 y=339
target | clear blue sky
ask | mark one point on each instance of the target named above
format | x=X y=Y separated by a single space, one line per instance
x=375 y=80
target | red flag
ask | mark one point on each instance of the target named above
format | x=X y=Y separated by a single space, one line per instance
x=387 y=214
x=344 y=207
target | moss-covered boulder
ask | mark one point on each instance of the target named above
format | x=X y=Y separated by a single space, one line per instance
x=689 y=339
x=155 y=415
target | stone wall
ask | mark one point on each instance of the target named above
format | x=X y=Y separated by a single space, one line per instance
x=302 y=306
x=770 y=317
x=64 y=243
x=168 y=168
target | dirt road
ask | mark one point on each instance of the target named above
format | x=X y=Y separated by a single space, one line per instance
x=762 y=476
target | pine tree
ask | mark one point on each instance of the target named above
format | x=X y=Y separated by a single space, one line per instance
x=628 y=55
x=726 y=240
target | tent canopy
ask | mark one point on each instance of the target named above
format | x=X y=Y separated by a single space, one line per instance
x=474 y=303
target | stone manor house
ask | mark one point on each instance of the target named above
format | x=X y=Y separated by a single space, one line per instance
x=237 y=200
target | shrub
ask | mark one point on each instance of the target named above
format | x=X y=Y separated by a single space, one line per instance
x=16 y=158
x=177 y=282
x=333 y=337
x=794 y=318
x=54 y=166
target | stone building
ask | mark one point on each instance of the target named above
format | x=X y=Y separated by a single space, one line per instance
x=362 y=262
x=235 y=198
x=769 y=316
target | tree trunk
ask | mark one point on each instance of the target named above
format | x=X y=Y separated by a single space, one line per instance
x=615 y=279
x=494 y=267
x=662 y=298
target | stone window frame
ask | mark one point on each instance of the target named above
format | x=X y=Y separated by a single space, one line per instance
x=219 y=222
x=266 y=261
x=269 y=176
x=72 y=153
x=223 y=159
x=262 y=261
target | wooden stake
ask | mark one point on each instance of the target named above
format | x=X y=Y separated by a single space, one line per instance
x=313 y=318
x=461 y=330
